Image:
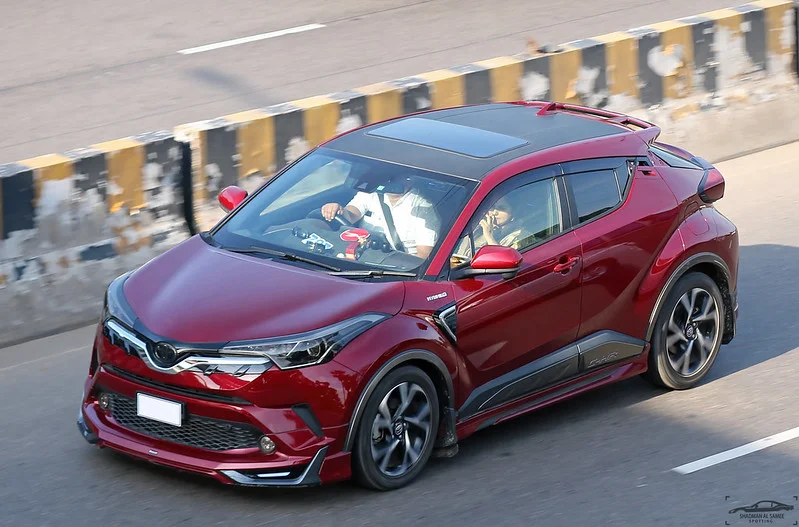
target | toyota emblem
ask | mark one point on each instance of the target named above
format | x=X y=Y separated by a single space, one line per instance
x=399 y=428
x=165 y=353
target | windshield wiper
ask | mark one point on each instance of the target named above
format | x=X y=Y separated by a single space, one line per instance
x=280 y=254
x=373 y=272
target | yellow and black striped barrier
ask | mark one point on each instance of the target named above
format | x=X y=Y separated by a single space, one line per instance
x=641 y=67
x=91 y=198
x=638 y=68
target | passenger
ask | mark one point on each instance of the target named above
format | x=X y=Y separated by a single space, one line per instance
x=500 y=226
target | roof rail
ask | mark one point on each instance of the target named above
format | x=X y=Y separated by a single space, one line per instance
x=648 y=132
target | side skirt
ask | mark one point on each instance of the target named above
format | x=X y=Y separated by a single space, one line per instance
x=593 y=352
x=540 y=401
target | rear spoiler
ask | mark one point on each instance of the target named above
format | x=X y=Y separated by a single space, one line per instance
x=703 y=163
x=648 y=132
x=711 y=187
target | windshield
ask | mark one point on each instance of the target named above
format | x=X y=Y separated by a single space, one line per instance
x=349 y=211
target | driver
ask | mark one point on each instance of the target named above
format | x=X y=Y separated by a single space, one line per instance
x=415 y=220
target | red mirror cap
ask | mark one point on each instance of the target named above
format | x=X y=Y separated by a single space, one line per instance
x=496 y=257
x=711 y=188
x=231 y=197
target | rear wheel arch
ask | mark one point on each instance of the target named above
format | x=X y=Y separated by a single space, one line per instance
x=433 y=366
x=722 y=278
x=711 y=265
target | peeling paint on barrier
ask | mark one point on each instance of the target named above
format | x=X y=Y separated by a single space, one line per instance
x=733 y=61
x=623 y=103
x=213 y=179
x=780 y=61
x=665 y=62
x=296 y=148
x=348 y=122
x=586 y=88
x=787 y=33
x=534 y=86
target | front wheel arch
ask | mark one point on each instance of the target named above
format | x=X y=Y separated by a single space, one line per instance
x=435 y=368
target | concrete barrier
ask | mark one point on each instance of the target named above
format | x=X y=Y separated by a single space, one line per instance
x=680 y=64
x=71 y=222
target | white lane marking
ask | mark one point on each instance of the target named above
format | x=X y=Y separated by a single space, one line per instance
x=743 y=450
x=254 y=38
x=7 y=368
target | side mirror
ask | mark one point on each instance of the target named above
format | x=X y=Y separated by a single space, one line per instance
x=492 y=259
x=231 y=197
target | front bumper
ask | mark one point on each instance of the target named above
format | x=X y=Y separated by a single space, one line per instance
x=303 y=457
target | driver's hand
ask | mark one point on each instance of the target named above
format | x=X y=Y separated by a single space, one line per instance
x=331 y=210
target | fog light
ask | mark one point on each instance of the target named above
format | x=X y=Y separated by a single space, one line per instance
x=104 y=400
x=267 y=445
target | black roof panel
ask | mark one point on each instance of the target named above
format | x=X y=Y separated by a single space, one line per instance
x=541 y=131
x=470 y=141
x=458 y=138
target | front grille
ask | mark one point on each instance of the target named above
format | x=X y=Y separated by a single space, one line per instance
x=186 y=392
x=198 y=432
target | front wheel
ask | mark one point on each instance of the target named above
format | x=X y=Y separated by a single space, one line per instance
x=687 y=334
x=397 y=430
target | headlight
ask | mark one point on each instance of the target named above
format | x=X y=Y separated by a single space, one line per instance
x=308 y=349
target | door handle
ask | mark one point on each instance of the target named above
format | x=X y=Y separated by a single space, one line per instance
x=567 y=265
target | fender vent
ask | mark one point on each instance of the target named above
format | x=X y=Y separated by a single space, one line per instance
x=447 y=319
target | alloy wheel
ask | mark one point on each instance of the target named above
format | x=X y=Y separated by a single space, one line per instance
x=692 y=332
x=401 y=429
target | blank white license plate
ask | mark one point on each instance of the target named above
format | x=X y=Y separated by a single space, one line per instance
x=159 y=409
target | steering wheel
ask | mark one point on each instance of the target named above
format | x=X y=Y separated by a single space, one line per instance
x=340 y=219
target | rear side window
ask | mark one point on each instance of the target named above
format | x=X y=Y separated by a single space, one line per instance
x=623 y=175
x=673 y=160
x=595 y=192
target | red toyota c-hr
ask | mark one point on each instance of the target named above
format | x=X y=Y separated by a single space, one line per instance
x=408 y=283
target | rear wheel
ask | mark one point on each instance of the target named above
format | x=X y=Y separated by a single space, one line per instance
x=687 y=334
x=397 y=430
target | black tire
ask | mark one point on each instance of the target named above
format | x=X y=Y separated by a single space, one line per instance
x=366 y=471
x=663 y=365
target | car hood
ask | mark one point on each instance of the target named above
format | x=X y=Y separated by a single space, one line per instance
x=196 y=293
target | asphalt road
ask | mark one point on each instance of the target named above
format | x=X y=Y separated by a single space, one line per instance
x=600 y=459
x=81 y=72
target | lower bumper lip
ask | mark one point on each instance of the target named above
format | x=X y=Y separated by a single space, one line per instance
x=309 y=476
x=307 y=453
x=244 y=474
x=85 y=431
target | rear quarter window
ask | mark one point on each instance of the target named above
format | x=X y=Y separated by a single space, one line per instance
x=672 y=160
x=594 y=193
